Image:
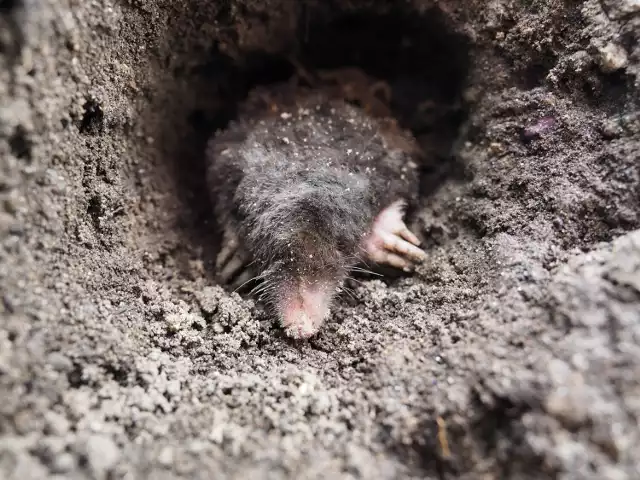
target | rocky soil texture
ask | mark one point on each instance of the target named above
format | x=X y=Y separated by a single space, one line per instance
x=513 y=352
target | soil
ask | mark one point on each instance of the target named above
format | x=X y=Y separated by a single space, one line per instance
x=511 y=353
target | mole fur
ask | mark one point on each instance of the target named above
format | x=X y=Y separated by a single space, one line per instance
x=296 y=183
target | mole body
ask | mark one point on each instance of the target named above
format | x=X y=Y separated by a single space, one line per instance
x=306 y=188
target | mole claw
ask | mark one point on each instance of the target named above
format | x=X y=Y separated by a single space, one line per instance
x=223 y=257
x=230 y=246
x=398 y=245
x=398 y=262
x=391 y=242
x=231 y=269
x=409 y=236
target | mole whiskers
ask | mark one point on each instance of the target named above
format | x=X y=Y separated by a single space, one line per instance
x=259 y=289
x=359 y=260
x=257 y=277
x=348 y=291
x=364 y=270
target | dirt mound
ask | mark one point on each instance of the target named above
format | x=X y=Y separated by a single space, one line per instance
x=512 y=353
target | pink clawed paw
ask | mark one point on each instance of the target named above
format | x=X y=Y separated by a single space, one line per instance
x=390 y=242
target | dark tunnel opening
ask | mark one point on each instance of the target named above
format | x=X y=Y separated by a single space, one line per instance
x=421 y=60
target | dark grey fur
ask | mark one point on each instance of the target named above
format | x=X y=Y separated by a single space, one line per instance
x=300 y=187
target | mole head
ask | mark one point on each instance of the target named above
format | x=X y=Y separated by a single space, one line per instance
x=307 y=239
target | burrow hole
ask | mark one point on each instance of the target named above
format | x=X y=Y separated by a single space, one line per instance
x=420 y=57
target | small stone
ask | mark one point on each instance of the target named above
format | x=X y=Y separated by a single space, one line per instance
x=218 y=328
x=60 y=362
x=63 y=463
x=611 y=472
x=16 y=230
x=165 y=458
x=629 y=7
x=102 y=453
x=56 y=423
x=568 y=407
x=10 y=206
x=173 y=388
x=197 y=446
x=174 y=323
x=217 y=434
x=619 y=9
x=495 y=148
x=612 y=57
x=209 y=299
x=559 y=371
x=7 y=305
x=611 y=128
x=7 y=222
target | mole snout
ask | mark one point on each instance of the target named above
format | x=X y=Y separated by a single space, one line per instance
x=305 y=304
x=307 y=254
x=303 y=198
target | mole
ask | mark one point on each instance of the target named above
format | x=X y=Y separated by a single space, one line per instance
x=308 y=189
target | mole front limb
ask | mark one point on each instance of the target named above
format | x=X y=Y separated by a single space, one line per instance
x=390 y=242
x=231 y=262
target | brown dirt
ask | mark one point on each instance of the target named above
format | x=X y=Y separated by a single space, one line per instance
x=512 y=353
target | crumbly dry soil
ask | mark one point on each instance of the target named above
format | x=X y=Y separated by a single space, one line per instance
x=513 y=352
